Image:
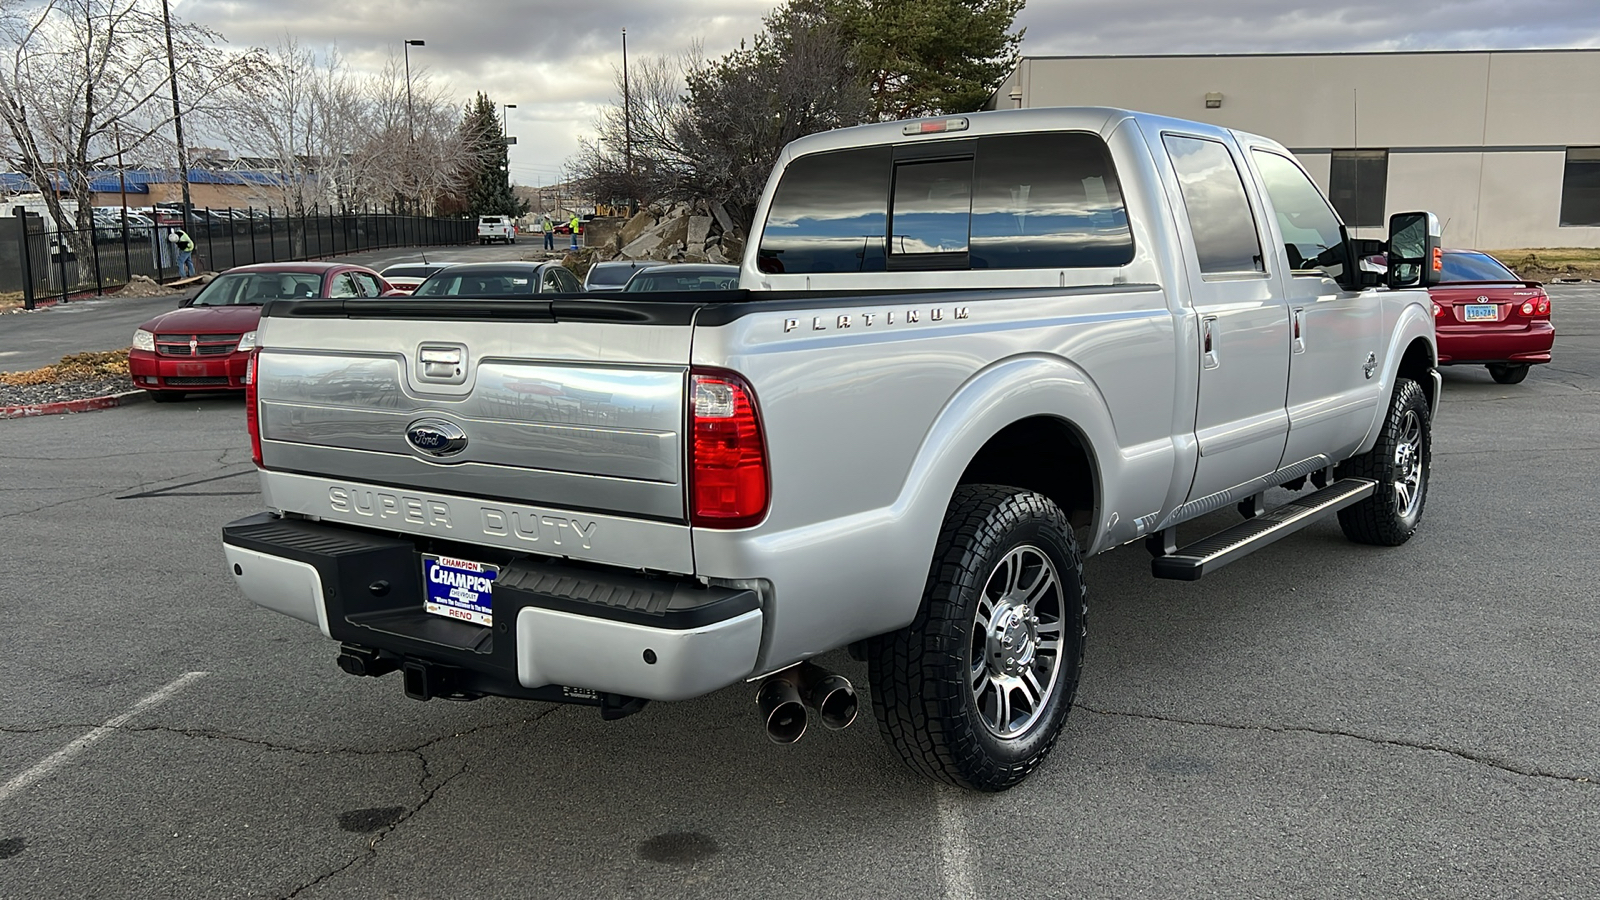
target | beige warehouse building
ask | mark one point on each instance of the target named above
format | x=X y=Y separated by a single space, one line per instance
x=1503 y=145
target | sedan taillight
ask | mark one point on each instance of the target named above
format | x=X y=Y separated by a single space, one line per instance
x=728 y=477
x=1536 y=307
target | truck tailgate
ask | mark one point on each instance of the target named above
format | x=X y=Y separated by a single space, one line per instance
x=510 y=405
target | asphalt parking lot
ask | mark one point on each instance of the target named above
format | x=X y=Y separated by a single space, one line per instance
x=1318 y=720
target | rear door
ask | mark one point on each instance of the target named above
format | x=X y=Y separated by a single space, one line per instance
x=1243 y=323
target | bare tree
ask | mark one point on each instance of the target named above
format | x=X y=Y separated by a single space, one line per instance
x=81 y=74
x=712 y=129
x=635 y=153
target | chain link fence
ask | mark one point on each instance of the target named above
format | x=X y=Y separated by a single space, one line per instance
x=43 y=264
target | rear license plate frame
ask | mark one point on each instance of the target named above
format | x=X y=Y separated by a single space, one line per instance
x=460 y=589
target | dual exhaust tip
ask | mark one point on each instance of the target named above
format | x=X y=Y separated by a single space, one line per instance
x=787 y=699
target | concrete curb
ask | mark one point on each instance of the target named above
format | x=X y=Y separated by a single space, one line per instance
x=73 y=406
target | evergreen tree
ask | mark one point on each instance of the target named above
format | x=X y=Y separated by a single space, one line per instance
x=929 y=57
x=487 y=175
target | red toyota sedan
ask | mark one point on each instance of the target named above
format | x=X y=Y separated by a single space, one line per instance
x=1485 y=315
x=205 y=344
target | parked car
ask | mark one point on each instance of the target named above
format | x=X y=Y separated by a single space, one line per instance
x=612 y=275
x=205 y=344
x=684 y=278
x=1485 y=315
x=403 y=278
x=501 y=279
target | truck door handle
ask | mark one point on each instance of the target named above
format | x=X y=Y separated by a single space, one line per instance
x=1208 y=349
x=1299 y=338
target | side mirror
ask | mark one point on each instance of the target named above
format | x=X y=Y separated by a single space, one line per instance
x=1415 y=258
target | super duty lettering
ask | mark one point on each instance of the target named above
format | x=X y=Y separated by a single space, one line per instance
x=962 y=359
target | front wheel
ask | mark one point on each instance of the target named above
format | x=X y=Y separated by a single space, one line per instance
x=1508 y=373
x=1399 y=462
x=975 y=690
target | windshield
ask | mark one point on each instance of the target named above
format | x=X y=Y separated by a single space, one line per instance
x=481 y=283
x=612 y=274
x=684 y=281
x=256 y=288
x=1474 y=267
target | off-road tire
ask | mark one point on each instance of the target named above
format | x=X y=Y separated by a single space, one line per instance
x=1389 y=517
x=1508 y=373
x=922 y=675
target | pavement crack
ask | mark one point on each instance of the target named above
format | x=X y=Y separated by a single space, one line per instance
x=1468 y=755
x=429 y=784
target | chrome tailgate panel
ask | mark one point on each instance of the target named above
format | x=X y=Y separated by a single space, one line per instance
x=584 y=416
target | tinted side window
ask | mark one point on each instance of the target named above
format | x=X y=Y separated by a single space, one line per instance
x=829 y=214
x=1224 y=229
x=1311 y=233
x=1048 y=201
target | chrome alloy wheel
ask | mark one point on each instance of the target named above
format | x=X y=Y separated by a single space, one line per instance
x=1408 y=465
x=1016 y=642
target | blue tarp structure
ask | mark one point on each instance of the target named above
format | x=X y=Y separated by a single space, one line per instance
x=139 y=180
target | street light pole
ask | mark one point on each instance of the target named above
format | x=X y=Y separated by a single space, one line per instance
x=411 y=130
x=177 y=114
x=505 y=118
x=627 y=107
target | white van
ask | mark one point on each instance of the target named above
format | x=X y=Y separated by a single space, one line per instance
x=496 y=228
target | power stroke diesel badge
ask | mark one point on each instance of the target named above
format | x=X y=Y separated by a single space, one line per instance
x=436 y=437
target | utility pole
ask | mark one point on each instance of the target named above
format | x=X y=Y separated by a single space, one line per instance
x=411 y=128
x=177 y=114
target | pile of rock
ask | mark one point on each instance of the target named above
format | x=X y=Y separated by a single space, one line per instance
x=680 y=233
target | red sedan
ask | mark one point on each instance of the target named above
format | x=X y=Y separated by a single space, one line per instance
x=205 y=344
x=1485 y=315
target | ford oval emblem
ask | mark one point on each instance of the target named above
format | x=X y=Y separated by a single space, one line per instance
x=436 y=437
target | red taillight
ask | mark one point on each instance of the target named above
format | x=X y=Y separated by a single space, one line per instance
x=727 y=454
x=1536 y=306
x=1437 y=310
x=252 y=420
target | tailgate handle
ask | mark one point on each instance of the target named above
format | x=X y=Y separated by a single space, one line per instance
x=440 y=362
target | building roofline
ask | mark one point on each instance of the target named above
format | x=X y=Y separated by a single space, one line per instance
x=1026 y=56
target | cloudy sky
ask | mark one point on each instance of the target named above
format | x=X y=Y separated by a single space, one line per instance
x=556 y=60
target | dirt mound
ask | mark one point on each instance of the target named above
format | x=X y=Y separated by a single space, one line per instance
x=145 y=286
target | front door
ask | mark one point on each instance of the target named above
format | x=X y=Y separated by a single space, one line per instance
x=1336 y=358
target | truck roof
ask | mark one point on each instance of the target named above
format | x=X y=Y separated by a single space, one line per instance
x=1098 y=119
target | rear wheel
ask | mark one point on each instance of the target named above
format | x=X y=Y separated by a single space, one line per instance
x=1399 y=462
x=1508 y=373
x=975 y=690
x=165 y=396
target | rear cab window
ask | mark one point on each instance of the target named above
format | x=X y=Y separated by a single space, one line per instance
x=1046 y=200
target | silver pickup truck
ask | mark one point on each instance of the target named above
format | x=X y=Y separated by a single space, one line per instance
x=966 y=354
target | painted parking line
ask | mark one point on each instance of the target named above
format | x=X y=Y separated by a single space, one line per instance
x=957 y=866
x=61 y=757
